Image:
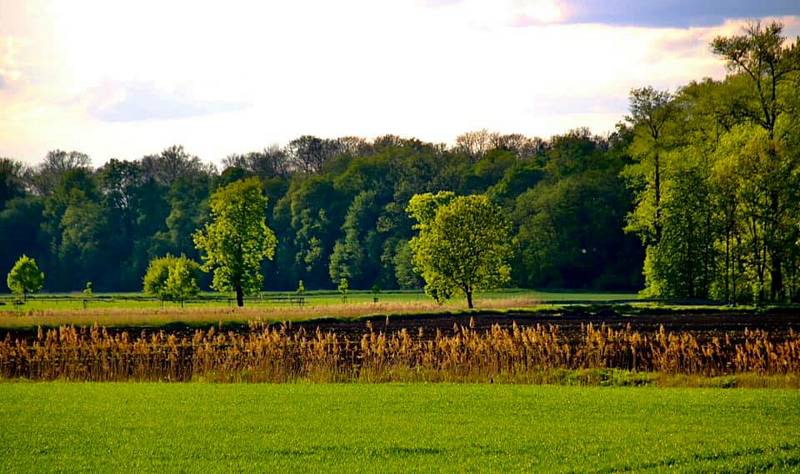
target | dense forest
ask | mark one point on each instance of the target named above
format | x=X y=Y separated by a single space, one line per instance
x=338 y=208
x=694 y=195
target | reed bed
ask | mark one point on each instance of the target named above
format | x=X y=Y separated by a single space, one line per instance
x=127 y=317
x=279 y=354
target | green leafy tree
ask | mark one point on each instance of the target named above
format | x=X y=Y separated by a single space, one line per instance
x=237 y=240
x=12 y=180
x=172 y=278
x=403 y=264
x=351 y=257
x=771 y=66
x=680 y=264
x=25 y=277
x=181 y=281
x=462 y=246
x=651 y=111
x=569 y=226
x=155 y=278
x=343 y=288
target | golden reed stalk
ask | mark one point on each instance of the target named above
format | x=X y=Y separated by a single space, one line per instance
x=278 y=354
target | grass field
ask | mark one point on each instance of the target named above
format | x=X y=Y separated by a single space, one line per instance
x=48 y=301
x=306 y=427
x=132 y=309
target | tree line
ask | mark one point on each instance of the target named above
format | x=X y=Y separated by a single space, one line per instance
x=694 y=195
x=337 y=207
x=717 y=176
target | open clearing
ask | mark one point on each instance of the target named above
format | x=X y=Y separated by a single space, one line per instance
x=209 y=427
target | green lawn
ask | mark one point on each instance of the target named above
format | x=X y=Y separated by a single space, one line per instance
x=75 y=301
x=305 y=427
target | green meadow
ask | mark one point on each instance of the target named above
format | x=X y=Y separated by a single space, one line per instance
x=393 y=427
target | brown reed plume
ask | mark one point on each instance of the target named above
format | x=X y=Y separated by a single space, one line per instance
x=279 y=354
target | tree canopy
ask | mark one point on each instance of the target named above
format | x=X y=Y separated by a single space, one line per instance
x=694 y=195
x=237 y=240
x=172 y=278
x=463 y=244
x=25 y=277
x=718 y=213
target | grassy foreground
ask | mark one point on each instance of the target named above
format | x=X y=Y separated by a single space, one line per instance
x=207 y=427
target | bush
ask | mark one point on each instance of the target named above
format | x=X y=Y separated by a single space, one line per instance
x=172 y=278
x=25 y=277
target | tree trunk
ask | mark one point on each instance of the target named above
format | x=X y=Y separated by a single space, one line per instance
x=657 y=223
x=469 y=299
x=239 y=296
x=776 y=272
x=776 y=278
x=727 y=264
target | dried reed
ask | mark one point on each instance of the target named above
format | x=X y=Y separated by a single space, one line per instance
x=279 y=354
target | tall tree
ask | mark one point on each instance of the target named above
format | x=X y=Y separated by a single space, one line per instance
x=762 y=55
x=355 y=256
x=173 y=163
x=462 y=246
x=46 y=177
x=308 y=154
x=12 y=184
x=650 y=113
x=237 y=239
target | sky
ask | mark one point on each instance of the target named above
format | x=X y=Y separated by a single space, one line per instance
x=123 y=79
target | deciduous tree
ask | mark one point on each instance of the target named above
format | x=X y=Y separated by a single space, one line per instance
x=25 y=277
x=762 y=55
x=237 y=240
x=172 y=278
x=462 y=246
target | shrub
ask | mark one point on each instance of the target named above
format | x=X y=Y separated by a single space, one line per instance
x=172 y=278
x=25 y=277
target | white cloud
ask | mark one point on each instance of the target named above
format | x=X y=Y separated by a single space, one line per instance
x=125 y=79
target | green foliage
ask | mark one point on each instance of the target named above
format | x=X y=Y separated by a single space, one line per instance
x=713 y=192
x=155 y=278
x=237 y=239
x=181 y=283
x=337 y=207
x=25 y=277
x=12 y=181
x=172 y=278
x=462 y=246
x=716 y=184
x=343 y=288
x=354 y=255
x=404 y=272
x=682 y=263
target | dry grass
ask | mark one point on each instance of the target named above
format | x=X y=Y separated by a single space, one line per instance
x=269 y=354
x=133 y=317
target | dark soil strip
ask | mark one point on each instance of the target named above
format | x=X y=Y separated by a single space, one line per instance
x=703 y=324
